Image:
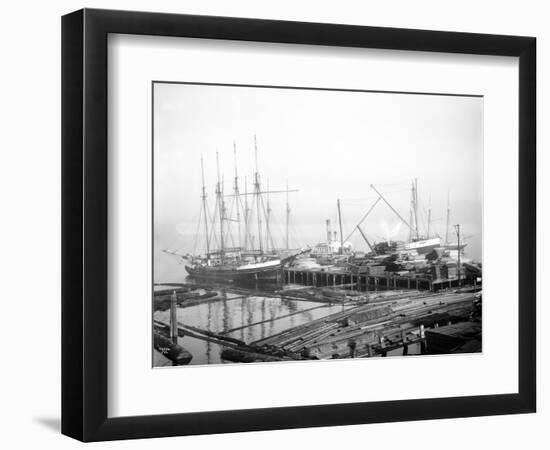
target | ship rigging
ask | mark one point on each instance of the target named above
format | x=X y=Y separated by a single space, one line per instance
x=239 y=242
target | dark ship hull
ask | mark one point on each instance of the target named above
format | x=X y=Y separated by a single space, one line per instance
x=236 y=274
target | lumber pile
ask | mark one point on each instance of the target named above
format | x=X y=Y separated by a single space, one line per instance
x=389 y=321
x=368 y=329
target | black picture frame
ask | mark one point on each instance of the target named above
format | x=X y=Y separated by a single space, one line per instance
x=84 y=224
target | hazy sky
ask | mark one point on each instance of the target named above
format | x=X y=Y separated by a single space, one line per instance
x=327 y=144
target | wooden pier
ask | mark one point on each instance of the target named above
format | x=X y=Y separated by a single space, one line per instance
x=359 y=281
x=335 y=278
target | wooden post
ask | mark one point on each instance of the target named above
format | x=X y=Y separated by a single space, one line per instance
x=381 y=340
x=173 y=318
x=352 y=346
x=423 y=341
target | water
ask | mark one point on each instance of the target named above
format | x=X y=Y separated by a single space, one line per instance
x=236 y=310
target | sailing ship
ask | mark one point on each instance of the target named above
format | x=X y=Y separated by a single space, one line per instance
x=417 y=243
x=234 y=272
x=253 y=255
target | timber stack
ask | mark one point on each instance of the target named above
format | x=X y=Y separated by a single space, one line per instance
x=372 y=329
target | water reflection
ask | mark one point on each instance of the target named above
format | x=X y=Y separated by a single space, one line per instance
x=261 y=316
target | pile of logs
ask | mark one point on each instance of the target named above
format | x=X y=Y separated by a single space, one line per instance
x=382 y=325
x=186 y=296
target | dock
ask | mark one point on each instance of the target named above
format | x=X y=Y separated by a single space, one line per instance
x=371 y=329
x=346 y=277
x=385 y=322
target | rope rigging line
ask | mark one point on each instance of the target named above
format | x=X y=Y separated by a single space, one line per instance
x=269 y=237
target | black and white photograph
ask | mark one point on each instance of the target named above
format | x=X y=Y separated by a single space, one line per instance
x=300 y=224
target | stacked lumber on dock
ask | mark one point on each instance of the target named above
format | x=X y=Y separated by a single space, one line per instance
x=373 y=328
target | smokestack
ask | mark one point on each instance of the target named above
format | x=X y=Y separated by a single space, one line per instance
x=329 y=234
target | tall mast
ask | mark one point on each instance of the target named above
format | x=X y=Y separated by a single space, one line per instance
x=237 y=198
x=246 y=213
x=204 y=210
x=340 y=222
x=411 y=215
x=267 y=219
x=448 y=218
x=287 y=215
x=457 y=228
x=415 y=196
x=220 y=204
x=429 y=216
x=258 y=198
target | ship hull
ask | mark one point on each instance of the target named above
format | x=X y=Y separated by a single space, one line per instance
x=423 y=246
x=233 y=275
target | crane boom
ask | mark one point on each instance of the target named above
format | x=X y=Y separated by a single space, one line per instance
x=364 y=217
x=393 y=209
x=366 y=240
